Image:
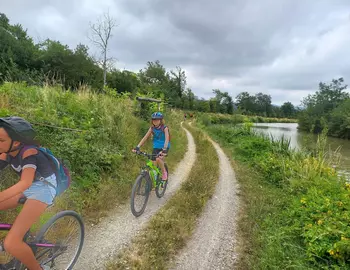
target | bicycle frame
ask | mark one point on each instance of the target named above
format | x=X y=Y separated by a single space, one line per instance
x=14 y=263
x=152 y=167
x=149 y=167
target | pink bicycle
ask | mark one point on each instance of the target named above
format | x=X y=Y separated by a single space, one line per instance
x=58 y=243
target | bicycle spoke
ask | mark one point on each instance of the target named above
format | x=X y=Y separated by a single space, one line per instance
x=66 y=234
x=139 y=195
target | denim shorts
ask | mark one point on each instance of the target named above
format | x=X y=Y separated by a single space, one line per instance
x=42 y=191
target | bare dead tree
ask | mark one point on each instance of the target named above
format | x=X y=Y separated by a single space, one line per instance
x=101 y=32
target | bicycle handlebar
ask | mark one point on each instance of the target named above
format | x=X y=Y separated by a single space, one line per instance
x=146 y=154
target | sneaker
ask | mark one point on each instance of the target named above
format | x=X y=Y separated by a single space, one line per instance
x=165 y=176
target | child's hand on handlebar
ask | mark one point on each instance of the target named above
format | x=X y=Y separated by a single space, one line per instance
x=136 y=149
x=164 y=152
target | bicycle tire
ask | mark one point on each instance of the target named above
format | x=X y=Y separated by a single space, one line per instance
x=47 y=225
x=134 y=191
x=165 y=184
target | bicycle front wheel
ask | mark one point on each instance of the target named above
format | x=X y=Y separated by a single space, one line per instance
x=139 y=195
x=161 y=185
x=60 y=240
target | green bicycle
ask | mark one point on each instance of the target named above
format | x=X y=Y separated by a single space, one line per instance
x=149 y=177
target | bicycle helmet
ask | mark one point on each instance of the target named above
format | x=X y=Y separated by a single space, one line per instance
x=157 y=115
x=18 y=129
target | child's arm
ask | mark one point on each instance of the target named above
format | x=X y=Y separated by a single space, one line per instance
x=166 y=131
x=25 y=182
x=149 y=132
x=3 y=161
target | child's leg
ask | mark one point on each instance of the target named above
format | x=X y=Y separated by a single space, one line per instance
x=162 y=167
x=154 y=153
x=14 y=244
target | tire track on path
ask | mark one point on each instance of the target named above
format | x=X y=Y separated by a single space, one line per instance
x=212 y=245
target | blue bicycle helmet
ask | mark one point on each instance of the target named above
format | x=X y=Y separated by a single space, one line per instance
x=157 y=115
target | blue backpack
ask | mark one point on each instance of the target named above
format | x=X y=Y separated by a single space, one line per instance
x=62 y=173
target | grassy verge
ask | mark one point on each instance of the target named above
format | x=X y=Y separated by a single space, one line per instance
x=169 y=229
x=98 y=149
x=296 y=210
x=218 y=118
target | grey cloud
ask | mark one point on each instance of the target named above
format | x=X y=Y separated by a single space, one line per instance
x=238 y=41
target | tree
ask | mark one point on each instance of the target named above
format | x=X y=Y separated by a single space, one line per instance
x=246 y=103
x=71 y=68
x=189 y=99
x=153 y=73
x=224 y=101
x=213 y=105
x=202 y=105
x=339 y=125
x=288 y=109
x=101 y=32
x=263 y=104
x=179 y=78
x=124 y=81
x=18 y=54
x=319 y=106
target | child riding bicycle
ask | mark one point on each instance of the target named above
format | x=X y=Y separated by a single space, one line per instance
x=161 y=141
x=15 y=134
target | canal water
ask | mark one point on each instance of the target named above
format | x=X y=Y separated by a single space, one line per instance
x=299 y=140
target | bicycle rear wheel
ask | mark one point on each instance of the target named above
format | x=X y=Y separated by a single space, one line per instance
x=65 y=233
x=139 y=195
x=161 y=185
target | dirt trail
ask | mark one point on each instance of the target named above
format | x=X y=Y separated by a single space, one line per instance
x=116 y=231
x=212 y=244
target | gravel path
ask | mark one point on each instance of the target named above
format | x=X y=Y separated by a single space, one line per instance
x=116 y=231
x=212 y=244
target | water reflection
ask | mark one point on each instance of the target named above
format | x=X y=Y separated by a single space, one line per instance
x=299 y=140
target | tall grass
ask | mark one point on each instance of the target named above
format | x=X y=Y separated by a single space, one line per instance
x=297 y=209
x=94 y=133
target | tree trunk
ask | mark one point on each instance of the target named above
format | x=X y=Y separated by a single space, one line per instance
x=105 y=69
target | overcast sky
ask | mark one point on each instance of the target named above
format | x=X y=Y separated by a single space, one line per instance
x=283 y=48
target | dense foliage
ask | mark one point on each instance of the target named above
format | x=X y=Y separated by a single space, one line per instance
x=93 y=132
x=327 y=108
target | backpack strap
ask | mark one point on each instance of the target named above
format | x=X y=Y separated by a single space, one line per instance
x=162 y=127
x=38 y=177
x=25 y=148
